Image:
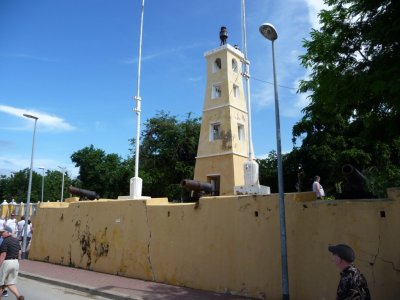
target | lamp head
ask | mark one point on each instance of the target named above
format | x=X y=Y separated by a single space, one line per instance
x=30 y=116
x=268 y=31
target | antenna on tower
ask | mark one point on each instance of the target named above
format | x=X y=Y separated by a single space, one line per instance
x=251 y=175
x=246 y=75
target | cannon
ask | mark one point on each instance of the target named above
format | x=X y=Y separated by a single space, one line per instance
x=83 y=194
x=197 y=186
x=196 y=189
x=355 y=186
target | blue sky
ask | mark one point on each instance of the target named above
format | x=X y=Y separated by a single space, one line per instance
x=73 y=64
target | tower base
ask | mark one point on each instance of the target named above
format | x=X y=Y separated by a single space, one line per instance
x=135 y=190
x=252 y=190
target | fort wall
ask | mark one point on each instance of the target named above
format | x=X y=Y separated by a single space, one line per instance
x=228 y=244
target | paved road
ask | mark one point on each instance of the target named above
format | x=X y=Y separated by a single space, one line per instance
x=36 y=290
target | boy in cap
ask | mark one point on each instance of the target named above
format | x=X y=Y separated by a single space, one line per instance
x=10 y=253
x=352 y=284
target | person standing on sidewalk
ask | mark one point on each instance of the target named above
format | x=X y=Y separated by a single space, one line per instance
x=2 y=221
x=10 y=253
x=12 y=223
x=5 y=292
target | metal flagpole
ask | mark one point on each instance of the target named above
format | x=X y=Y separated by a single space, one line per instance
x=137 y=182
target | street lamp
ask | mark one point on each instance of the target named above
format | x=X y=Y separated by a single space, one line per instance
x=62 y=184
x=269 y=32
x=42 y=168
x=28 y=198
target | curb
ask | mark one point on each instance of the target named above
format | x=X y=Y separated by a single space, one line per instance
x=74 y=286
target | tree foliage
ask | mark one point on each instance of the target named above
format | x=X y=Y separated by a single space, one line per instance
x=293 y=174
x=15 y=186
x=106 y=174
x=167 y=153
x=354 y=88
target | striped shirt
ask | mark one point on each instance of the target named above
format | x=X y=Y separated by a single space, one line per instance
x=11 y=246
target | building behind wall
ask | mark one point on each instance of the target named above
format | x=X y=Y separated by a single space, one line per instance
x=223 y=142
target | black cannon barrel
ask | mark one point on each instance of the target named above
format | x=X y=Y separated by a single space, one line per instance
x=197 y=186
x=353 y=175
x=356 y=185
x=91 y=195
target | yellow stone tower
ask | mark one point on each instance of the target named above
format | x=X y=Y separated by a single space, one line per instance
x=223 y=143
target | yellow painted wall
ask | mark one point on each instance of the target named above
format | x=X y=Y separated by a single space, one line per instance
x=18 y=209
x=227 y=243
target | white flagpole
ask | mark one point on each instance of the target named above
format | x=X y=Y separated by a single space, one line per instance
x=136 y=182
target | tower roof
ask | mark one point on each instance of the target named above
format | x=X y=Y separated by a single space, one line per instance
x=223 y=47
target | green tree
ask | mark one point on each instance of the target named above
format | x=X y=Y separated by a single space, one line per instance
x=268 y=172
x=354 y=90
x=15 y=186
x=167 y=154
x=103 y=173
x=53 y=183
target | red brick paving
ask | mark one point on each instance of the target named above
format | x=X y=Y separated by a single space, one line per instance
x=111 y=286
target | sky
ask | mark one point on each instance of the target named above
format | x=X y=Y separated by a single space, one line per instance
x=74 y=65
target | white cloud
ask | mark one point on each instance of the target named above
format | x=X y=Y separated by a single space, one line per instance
x=195 y=79
x=263 y=98
x=299 y=100
x=28 y=56
x=46 y=121
x=314 y=7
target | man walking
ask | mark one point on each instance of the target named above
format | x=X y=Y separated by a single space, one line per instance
x=10 y=253
x=12 y=223
x=352 y=284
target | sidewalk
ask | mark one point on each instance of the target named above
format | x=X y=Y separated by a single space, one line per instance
x=111 y=286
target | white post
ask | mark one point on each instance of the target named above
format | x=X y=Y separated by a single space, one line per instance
x=135 y=189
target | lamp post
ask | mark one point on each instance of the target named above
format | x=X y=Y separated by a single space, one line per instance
x=62 y=184
x=269 y=32
x=42 y=168
x=28 y=198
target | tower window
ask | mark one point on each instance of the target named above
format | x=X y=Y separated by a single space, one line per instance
x=217 y=65
x=216 y=91
x=241 y=132
x=235 y=91
x=215 y=131
x=235 y=67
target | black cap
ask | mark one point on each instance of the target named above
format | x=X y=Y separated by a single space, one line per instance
x=343 y=251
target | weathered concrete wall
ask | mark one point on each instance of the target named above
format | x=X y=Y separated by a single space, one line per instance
x=227 y=244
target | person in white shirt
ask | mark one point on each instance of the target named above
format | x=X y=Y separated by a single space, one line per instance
x=317 y=188
x=28 y=232
x=20 y=228
x=12 y=223
x=2 y=221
